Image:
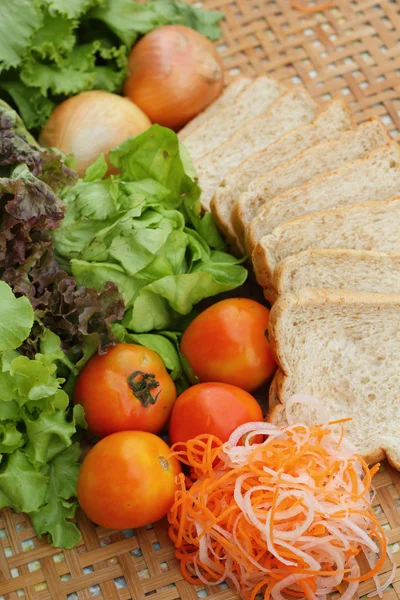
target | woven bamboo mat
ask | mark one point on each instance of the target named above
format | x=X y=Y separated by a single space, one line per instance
x=352 y=51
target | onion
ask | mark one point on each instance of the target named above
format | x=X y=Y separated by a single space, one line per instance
x=92 y=123
x=174 y=73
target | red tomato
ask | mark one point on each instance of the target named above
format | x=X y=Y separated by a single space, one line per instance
x=215 y=408
x=127 y=388
x=228 y=343
x=128 y=480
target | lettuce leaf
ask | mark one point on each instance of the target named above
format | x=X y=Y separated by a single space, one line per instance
x=38 y=456
x=19 y=20
x=17 y=319
x=143 y=231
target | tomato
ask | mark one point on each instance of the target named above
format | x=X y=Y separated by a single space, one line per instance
x=127 y=388
x=227 y=342
x=215 y=408
x=128 y=480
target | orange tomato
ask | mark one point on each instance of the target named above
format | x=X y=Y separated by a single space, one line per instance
x=127 y=388
x=215 y=408
x=128 y=480
x=228 y=343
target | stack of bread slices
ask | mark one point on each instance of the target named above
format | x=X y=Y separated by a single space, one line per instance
x=314 y=201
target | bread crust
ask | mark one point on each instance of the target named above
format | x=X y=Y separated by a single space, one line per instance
x=264 y=256
x=285 y=273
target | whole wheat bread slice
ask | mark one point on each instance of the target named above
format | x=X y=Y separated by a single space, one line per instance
x=336 y=269
x=228 y=97
x=374 y=177
x=254 y=100
x=294 y=108
x=329 y=124
x=344 y=349
x=318 y=160
x=367 y=226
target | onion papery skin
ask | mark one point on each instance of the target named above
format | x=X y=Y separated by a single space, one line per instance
x=174 y=73
x=92 y=123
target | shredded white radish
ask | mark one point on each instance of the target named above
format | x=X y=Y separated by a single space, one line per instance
x=287 y=513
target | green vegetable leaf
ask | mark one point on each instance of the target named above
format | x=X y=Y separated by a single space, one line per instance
x=33 y=379
x=47 y=435
x=19 y=20
x=54 y=517
x=34 y=108
x=128 y=19
x=156 y=154
x=71 y=8
x=97 y=170
x=55 y=39
x=16 y=318
x=10 y=438
x=67 y=80
x=21 y=485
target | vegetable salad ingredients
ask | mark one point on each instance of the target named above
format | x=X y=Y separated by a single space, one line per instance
x=127 y=388
x=286 y=517
x=228 y=343
x=214 y=408
x=91 y=124
x=38 y=457
x=30 y=208
x=143 y=231
x=174 y=73
x=128 y=480
x=52 y=50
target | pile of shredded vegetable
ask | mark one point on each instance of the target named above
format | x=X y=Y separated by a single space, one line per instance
x=278 y=512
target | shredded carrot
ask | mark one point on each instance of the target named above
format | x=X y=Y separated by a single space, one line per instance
x=285 y=517
x=311 y=9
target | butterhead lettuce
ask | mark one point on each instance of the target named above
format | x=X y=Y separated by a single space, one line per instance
x=143 y=230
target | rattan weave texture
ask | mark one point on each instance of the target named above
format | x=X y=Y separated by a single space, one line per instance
x=351 y=50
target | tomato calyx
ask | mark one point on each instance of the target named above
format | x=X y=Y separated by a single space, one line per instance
x=142 y=387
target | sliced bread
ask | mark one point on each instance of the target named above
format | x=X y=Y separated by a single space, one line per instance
x=367 y=226
x=336 y=269
x=294 y=108
x=329 y=124
x=374 y=177
x=254 y=100
x=318 y=160
x=344 y=349
x=228 y=97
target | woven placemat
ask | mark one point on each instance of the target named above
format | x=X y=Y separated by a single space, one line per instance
x=352 y=51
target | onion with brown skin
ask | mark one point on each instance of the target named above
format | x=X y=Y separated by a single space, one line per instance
x=174 y=73
x=92 y=123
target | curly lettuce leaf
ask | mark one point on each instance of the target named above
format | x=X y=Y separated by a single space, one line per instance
x=128 y=20
x=54 y=518
x=37 y=430
x=55 y=39
x=16 y=319
x=22 y=487
x=19 y=20
x=34 y=108
x=72 y=9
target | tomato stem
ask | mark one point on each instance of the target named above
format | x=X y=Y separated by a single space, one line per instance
x=143 y=387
